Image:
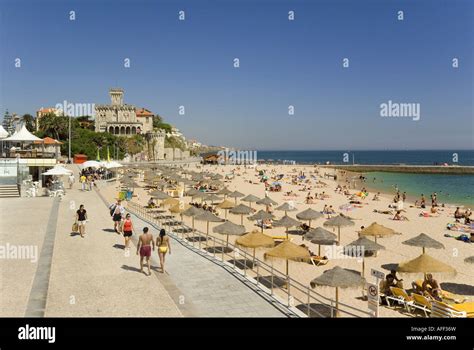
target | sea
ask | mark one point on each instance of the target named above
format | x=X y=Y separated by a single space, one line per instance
x=451 y=189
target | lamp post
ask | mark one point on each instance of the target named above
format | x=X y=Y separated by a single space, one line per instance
x=69 y=143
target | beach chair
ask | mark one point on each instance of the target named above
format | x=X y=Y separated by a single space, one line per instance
x=422 y=303
x=443 y=310
x=317 y=260
x=401 y=297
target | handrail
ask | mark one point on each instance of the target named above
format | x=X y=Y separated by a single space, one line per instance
x=310 y=295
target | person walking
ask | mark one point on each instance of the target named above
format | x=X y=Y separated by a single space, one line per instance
x=82 y=180
x=163 y=244
x=127 y=229
x=71 y=180
x=81 y=219
x=117 y=212
x=144 y=247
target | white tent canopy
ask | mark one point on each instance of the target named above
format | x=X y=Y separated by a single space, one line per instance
x=3 y=132
x=58 y=171
x=23 y=135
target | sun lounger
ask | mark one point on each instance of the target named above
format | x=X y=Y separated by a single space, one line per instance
x=422 y=303
x=443 y=310
x=401 y=297
x=317 y=260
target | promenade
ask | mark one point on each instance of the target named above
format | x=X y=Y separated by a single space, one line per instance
x=93 y=276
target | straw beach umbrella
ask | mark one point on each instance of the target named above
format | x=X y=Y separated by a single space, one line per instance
x=224 y=191
x=469 y=260
x=241 y=210
x=255 y=240
x=261 y=215
x=170 y=201
x=320 y=236
x=179 y=208
x=309 y=215
x=159 y=195
x=192 y=212
x=286 y=207
x=287 y=222
x=235 y=195
x=338 y=277
x=226 y=205
x=359 y=247
x=267 y=201
x=212 y=198
x=208 y=217
x=192 y=192
x=338 y=221
x=377 y=230
x=288 y=251
x=250 y=199
x=229 y=228
x=424 y=241
x=425 y=264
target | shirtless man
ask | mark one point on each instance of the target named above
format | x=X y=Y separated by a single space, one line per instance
x=145 y=246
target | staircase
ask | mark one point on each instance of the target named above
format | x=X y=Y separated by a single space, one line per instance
x=7 y=191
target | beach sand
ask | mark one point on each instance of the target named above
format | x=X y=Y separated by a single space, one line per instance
x=395 y=252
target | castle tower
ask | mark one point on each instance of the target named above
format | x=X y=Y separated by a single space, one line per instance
x=116 y=97
x=156 y=145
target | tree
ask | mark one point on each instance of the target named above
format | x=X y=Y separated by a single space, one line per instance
x=135 y=144
x=29 y=122
x=157 y=120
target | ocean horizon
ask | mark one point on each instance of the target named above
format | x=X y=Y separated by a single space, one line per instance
x=372 y=157
x=451 y=189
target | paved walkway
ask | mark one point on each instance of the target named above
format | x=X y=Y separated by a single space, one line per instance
x=92 y=276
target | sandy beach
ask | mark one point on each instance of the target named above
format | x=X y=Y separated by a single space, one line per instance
x=247 y=182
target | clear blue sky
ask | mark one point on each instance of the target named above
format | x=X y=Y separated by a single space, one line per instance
x=283 y=63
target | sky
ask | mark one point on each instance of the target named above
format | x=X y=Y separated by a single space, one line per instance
x=283 y=63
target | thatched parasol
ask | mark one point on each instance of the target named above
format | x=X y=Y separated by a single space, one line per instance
x=192 y=211
x=377 y=230
x=338 y=277
x=226 y=205
x=208 y=217
x=159 y=195
x=424 y=241
x=359 y=247
x=212 y=198
x=250 y=199
x=309 y=215
x=288 y=251
x=267 y=201
x=229 y=228
x=241 y=210
x=261 y=215
x=286 y=207
x=320 y=236
x=170 y=201
x=235 y=195
x=225 y=191
x=469 y=260
x=287 y=222
x=425 y=264
x=338 y=221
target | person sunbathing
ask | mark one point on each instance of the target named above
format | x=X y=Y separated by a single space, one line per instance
x=400 y=217
x=376 y=197
x=389 y=212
